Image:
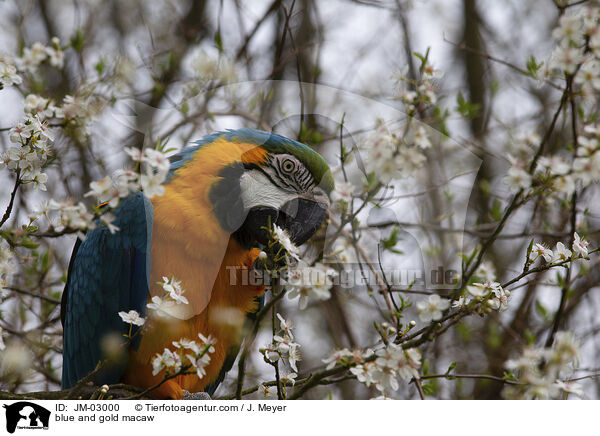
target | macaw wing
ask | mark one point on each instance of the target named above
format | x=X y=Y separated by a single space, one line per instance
x=108 y=273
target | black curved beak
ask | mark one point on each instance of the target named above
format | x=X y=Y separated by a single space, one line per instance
x=300 y=217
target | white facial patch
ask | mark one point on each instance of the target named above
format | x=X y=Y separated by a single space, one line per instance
x=258 y=190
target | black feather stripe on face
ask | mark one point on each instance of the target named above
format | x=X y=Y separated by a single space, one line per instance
x=303 y=178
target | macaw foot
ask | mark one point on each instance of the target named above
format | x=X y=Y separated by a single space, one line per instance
x=195 y=395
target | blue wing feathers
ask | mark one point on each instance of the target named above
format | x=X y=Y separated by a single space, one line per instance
x=108 y=273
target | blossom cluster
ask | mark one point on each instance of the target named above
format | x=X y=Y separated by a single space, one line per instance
x=539 y=369
x=164 y=306
x=490 y=292
x=30 y=61
x=309 y=282
x=30 y=154
x=560 y=253
x=209 y=71
x=76 y=216
x=563 y=175
x=38 y=53
x=420 y=92
x=126 y=181
x=7 y=265
x=578 y=36
x=187 y=355
x=283 y=346
x=391 y=157
x=391 y=362
x=172 y=302
x=8 y=73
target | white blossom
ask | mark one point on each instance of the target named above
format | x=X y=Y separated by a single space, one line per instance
x=566 y=58
x=20 y=132
x=107 y=219
x=8 y=75
x=343 y=192
x=56 y=57
x=37 y=105
x=432 y=308
x=420 y=138
x=161 y=306
x=15 y=360
x=517 y=179
x=570 y=29
x=554 y=164
x=338 y=357
x=587 y=168
x=561 y=252
x=288 y=377
x=461 y=302
x=7 y=264
x=588 y=75
x=199 y=363
x=481 y=290
x=486 y=271
x=564 y=184
x=570 y=387
x=310 y=283
x=167 y=360
x=499 y=299
x=283 y=237
x=580 y=245
x=566 y=351
x=542 y=250
x=132 y=317
x=156 y=159
x=173 y=287
x=152 y=184
x=104 y=191
x=32 y=57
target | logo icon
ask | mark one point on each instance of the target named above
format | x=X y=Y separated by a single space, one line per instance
x=26 y=415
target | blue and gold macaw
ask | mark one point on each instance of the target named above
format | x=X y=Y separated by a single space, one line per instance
x=220 y=195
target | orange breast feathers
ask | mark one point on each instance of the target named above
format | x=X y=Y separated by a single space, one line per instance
x=189 y=244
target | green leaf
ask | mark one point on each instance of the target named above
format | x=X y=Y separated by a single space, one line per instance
x=529 y=337
x=541 y=309
x=466 y=108
x=533 y=66
x=496 y=210
x=100 y=66
x=390 y=242
x=530 y=247
x=430 y=388
x=185 y=108
x=78 y=40
x=423 y=59
x=219 y=41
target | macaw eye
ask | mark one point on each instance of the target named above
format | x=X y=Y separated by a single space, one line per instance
x=288 y=166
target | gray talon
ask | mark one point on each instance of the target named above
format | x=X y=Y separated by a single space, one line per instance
x=195 y=395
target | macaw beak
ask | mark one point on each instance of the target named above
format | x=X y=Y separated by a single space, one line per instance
x=300 y=217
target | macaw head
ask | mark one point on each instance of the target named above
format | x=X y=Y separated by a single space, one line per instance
x=274 y=180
